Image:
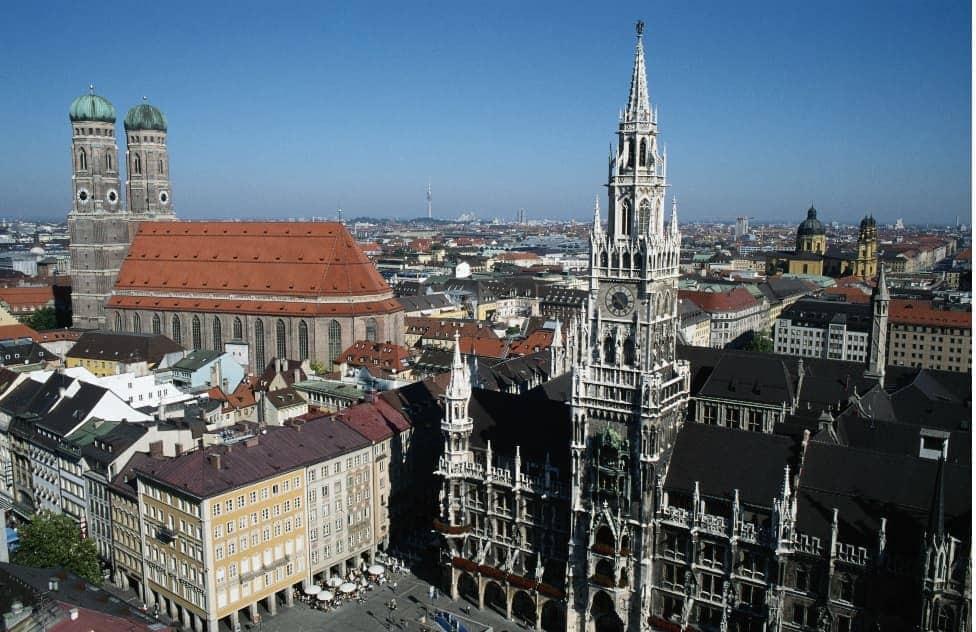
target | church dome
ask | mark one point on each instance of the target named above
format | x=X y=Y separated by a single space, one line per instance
x=811 y=225
x=91 y=107
x=868 y=222
x=145 y=116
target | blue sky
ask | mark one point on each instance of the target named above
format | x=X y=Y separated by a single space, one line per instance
x=291 y=109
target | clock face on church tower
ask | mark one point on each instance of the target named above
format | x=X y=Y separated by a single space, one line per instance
x=620 y=300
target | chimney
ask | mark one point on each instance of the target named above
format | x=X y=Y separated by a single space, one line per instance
x=297 y=374
x=214 y=459
x=73 y=614
x=156 y=448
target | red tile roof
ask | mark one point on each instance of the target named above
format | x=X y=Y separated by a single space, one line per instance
x=9 y=332
x=909 y=312
x=275 y=259
x=516 y=256
x=376 y=420
x=734 y=300
x=270 y=308
x=385 y=355
x=21 y=298
x=443 y=329
x=965 y=254
x=850 y=293
x=538 y=340
x=488 y=347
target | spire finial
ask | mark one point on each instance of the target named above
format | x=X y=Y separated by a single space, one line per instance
x=144 y=98
x=91 y=88
x=640 y=28
x=638 y=103
x=596 y=214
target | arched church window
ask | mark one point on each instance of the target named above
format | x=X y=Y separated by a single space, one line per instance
x=603 y=259
x=371 y=330
x=644 y=218
x=609 y=350
x=302 y=340
x=218 y=335
x=82 y=159
x=118 y=322
x=335 y=340
x=238 y=329
x=160 y=166
x=259 y=345
x=136 y=164
x=177 y=330
x=643 y=152
x=137 y=323
x=108 y=161
x=157 y=325
x=626 y=218
x=280 y=339
x=197 y=337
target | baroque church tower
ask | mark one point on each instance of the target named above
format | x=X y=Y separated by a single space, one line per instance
x=100 y=228
x=629 y=393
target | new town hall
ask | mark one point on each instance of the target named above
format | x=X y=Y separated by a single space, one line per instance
x=794 y=494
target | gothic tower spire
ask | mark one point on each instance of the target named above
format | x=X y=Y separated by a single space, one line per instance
x=880 y=300
x=638 y=103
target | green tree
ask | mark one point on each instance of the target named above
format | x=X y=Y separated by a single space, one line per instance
x=44 y=318
x=760 y=342
x=53 y=540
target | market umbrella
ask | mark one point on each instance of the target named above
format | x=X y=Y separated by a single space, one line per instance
x=325 y=595
x=347 y=588
x=313 y=589
x=376 y=569
x=335 y=581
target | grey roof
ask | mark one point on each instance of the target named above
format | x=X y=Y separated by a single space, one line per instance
x=123 y=347
x=424 y=301
x=198 y=359
x=819 y=314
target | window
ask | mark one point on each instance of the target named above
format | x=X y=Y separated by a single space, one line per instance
x=82 y=159
x=371 y=329
x=136 y=164
x=302 y=340
x=160 y=167
x=157 y=325
x=137 y=323
x=218 y=337
x=335 y=340
x=259 y=345
x=108 y=161
x=118 y=322
x=712 y=555
x=177 y=330
x=644 y=214
x=195 y=330
x=280 y=339
x=238 y=329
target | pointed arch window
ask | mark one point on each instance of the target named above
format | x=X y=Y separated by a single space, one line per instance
x=643 y=152
x=160 y=166
x=238 y=329
x=644 y=218
x=626 y=218
x=371 y=330
x=302 y=340
x=177 y=330
x=280 y=339
x=108 y=161
x=118 y=321
x=82 y=159
x=335 y=340
x=259 y=345
x=136 y=164
x=137 y=323
x=218 y=335
x=196 y=333
x=157 y=324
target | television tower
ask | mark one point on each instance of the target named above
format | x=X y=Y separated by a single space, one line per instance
x=429 y=198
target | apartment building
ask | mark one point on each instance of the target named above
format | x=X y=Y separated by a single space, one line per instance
x=824 y=329
x=733 y=313
x=923 y=336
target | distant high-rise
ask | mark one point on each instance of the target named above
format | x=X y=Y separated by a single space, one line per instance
x=429 y=201
x=741 y=227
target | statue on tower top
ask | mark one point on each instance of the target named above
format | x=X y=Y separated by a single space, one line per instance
x=640 y=27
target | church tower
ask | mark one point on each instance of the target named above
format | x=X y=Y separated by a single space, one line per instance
x=878 y=354
x=629 y=393
x=456 y=430
x=866 y=264
x=147 y=186
x=97 y=222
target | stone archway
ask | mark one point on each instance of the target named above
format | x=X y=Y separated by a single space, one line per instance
x=553 y=616
x=604 y=614
x=467 y=588
x=523 y=608
x=495 y=598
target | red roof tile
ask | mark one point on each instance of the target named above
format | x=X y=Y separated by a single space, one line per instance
x=376 y=420
x=293 y=259
x=19 y=298
x=9 y=332
x=909 y=312
x=734 y=300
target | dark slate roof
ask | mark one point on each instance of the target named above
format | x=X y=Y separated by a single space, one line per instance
x=538 y=426
x=277 y=450
x=106 y=447
x=820 y=314
x=285 y=398
x=865 y=486
x=558 y=389
x=715 y=457
x=24 y=351
x=71 y=411
x=935 y=399
x=196 y=360
x=123 y=347
x=781 y=287
x=424 y=301
x=756 y=378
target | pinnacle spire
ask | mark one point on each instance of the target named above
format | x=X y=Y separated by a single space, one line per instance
x=638 y=103
x=937 y=511
x=674 y=215
x=597 y=226
x=881 y=291
x=460 y=385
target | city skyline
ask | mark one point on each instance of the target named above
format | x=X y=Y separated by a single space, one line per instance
x=359 y=110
